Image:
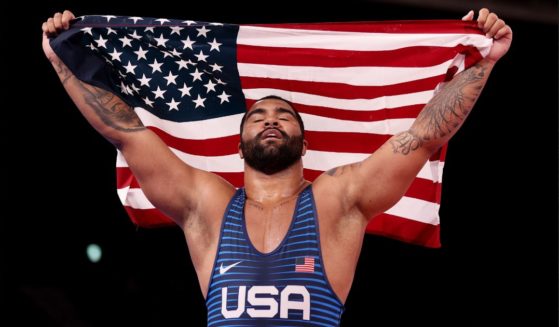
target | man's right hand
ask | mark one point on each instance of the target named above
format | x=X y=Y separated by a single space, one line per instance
x=52 y=27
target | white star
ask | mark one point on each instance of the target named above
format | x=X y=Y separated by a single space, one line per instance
x=216 y=67
x=219 y=81
x=224 y=97
x=110 y=30
x=176 y=53
x=210 y=86
x=202 y=31
x=141 y=53
x=135 y=88
x=92 y=47
x=123 y=88
x=115 y=55
x=167 y=54
x=171 y=78
x=162 y=20
x=197 y=75
x=189 y=22
x=130 y=68
x=148 y=102
x=144 y=80
x=135 y=35
x=126 y=41
x=156 y=66
x=101 y=42
x=135 y=19
x=199 y=102
x=187 y=43
x=159 y=93
x=173 y=105
x=215 y=45
x=201 y=56
x=87 y=30
x=150 y=29
x=216 y=24
x=185 y=90
x=176 y=29
x=161 y=40
x=182 y=64
x=109 y=17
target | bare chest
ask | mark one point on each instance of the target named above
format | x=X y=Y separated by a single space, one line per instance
x=267 y=225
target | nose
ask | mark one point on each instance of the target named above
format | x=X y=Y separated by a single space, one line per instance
x=271 y=122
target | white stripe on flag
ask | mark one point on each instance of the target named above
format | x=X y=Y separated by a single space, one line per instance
x=367 y=76
x=194 y=130
x=362 y=41
x=392 y=101
x=416 y=209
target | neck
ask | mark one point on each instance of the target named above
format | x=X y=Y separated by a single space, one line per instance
x=272 y=188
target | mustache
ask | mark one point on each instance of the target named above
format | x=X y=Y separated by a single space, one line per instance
x=259 y=135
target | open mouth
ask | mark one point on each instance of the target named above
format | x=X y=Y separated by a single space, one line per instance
x=271 y=133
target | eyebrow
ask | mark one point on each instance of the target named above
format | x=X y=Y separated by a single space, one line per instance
x=262 y=111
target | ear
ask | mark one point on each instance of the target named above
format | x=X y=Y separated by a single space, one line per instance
x=240 y=151
x=305 y=145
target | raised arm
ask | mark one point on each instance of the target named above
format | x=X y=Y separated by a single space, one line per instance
x=171 y=185
x=377 y=183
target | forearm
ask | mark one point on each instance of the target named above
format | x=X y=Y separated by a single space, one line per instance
x=445 y=113
x=107 y=113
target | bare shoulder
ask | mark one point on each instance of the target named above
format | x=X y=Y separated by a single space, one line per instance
x=202 y=222
x=211 y=196
x=335 y=185
x=333 y=192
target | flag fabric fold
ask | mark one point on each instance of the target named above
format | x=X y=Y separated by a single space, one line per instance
x=355 y=85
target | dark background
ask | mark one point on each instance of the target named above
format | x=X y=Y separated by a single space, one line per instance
x=498 y=263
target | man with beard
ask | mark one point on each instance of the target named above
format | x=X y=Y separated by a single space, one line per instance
x=281 y=250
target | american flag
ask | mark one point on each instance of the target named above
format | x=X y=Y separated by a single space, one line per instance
x=304 y=264
x=355 y=85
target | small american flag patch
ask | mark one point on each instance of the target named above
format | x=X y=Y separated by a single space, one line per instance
x=304 y=264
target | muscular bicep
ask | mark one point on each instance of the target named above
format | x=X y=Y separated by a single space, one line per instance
x=384 y=177
x=375 y=184
x=171 y=185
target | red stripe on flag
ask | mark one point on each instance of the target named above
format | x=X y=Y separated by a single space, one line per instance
x=404 y=57
x=344 y=142
x=356 y=115
x=148 y=217
x=125 y=178
x=340 y=90
x=389 y=26
x=219 y=146
x=406 y=230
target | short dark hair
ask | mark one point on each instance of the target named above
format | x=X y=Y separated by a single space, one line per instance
x=275 y=97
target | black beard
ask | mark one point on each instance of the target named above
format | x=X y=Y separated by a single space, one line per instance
x=272 y=158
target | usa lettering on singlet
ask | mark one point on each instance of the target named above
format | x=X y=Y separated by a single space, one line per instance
x=286 y=287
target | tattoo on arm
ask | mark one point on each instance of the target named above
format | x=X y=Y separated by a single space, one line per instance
x=405 y=142
x=337 y=171
x=451 y=106
x=108 y=107
x=445 y=112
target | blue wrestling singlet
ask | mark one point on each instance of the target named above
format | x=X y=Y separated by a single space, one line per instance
x=286 y=287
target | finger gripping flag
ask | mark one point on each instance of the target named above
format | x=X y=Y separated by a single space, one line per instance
x=355 y=85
